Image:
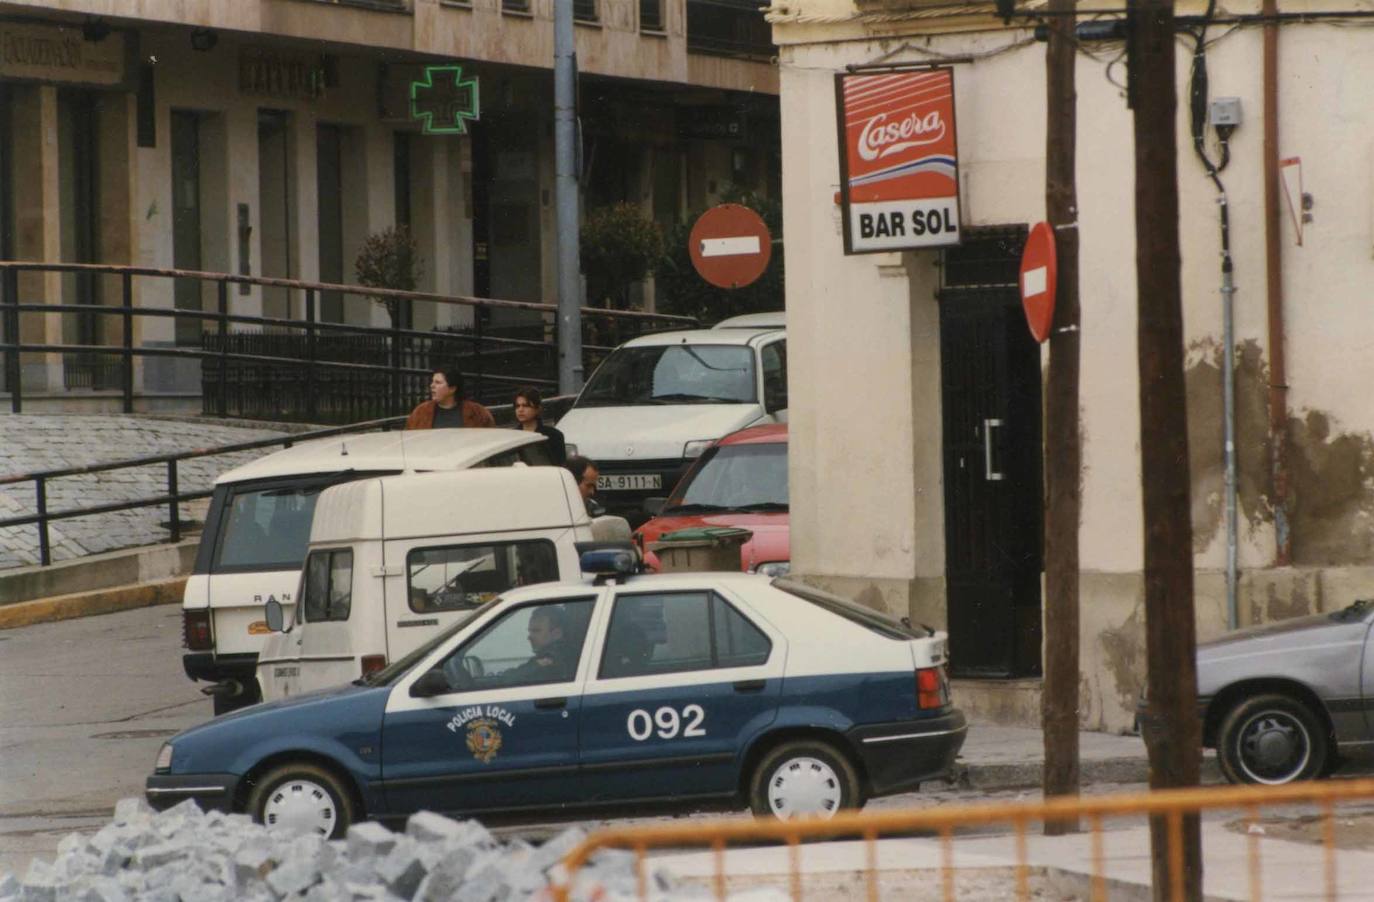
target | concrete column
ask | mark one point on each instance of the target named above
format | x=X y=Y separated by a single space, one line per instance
x=37 y=227
x=374 y=197
x=304 y=213
x=243 y=186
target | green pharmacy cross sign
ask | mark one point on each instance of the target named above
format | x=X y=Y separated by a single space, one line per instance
x=443 y=99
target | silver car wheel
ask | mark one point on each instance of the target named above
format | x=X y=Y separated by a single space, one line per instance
x=1273 y=747
x=804 y=786
x=300 y=806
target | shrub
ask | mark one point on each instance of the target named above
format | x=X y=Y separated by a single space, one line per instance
x=390 y=259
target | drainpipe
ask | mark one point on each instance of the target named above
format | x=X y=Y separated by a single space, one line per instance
x=1228 y=329
x=1278 y=376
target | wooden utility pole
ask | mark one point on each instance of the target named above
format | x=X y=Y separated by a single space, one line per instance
x=1170 y=726
x=1063 y=454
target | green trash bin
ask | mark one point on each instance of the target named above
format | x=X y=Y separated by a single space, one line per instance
x=701 y=549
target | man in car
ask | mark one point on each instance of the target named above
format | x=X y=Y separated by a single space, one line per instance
x=554 y=659
x=585 y=472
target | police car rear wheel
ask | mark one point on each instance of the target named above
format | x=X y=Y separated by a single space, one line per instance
x=801 y=779
x=302 y=798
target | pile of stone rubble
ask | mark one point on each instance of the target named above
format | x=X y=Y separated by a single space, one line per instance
x=185 y=854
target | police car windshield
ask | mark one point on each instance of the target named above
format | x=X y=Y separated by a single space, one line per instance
x=878 y=622
x=673 y=374
x=388 y=674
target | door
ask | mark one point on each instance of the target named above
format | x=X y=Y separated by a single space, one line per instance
x=329 y=182
x=275 y=187
x=990 y=372
x=683 y=680
x=505 y=735
x=186 y=238
x=773 y=379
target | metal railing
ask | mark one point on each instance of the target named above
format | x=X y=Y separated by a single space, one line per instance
x=1172 y=807
x=401 y=371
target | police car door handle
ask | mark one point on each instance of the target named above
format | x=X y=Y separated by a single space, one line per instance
x=547 y=703
x=750 y=685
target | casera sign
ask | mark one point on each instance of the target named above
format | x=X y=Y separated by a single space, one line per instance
x=899 y=162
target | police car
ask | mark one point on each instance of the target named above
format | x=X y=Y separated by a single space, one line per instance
x=622 y=689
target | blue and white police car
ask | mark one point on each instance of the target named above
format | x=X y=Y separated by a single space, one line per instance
x=621 y=690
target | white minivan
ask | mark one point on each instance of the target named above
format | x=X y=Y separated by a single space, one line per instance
x=393 y=561
x=258 y=525
x=658 y=401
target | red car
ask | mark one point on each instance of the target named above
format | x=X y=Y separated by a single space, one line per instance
x=740 y=481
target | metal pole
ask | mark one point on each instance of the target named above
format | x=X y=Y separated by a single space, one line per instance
x=222 y=402
x=1228 y=382
x=40 y=486
x=565 y=140
x=11 y=289
x=310 y=405
x=174 y=506
x=128 y=317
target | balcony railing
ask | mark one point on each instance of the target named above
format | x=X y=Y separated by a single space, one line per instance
x=729 y=28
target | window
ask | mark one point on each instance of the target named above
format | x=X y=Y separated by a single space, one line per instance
x=677 y=632
x=584 y=10
x=876 y=621
x=527 y=646
x=328 y=590
x=736 y=477
x=678 y=374
x=267 y=529
x=774 y=358
x=457 y=577
x=515 y=6
x=650 y=15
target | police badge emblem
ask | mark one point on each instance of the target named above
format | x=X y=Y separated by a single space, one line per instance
x=484 y=739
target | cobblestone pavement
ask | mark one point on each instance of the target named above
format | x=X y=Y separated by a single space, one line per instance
x=33 y=442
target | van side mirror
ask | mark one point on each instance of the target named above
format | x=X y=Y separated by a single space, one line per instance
x=430 y=684
x=654 y=506
x=273 y=613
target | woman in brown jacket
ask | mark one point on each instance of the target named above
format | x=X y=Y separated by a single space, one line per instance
x=447 y=408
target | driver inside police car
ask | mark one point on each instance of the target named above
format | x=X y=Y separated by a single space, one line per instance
x=553 y=657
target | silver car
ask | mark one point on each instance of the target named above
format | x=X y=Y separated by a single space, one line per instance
x=1283 y=701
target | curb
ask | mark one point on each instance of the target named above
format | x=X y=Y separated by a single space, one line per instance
x=1029 y=774
x=84 y=604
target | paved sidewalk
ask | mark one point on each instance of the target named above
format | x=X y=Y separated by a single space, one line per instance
x=1288 y=870
x=34 y=442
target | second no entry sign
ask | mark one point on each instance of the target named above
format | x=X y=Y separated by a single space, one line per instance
x=730 y=246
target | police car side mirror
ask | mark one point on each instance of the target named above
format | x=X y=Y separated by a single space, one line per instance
x=430 y=684
x=273 y=613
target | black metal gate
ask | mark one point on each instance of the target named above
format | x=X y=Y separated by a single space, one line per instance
x=990 y=375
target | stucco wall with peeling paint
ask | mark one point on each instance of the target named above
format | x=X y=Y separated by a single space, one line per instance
x=859 y=367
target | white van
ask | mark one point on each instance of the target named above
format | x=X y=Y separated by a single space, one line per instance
x=258 y=525
x=658 y=401
x=392 y=561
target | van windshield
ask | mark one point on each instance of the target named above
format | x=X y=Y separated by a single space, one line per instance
x=268 y=528
x=673 y=374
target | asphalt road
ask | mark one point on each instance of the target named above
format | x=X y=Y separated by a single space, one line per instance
x=84 y=706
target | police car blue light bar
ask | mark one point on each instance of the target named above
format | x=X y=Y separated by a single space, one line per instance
x=621 y=561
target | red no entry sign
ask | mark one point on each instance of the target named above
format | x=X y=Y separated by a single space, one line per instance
x=730 y=246
x=1039 y=273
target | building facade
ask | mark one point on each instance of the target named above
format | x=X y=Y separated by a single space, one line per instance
x=271 y=137
x=917 y=456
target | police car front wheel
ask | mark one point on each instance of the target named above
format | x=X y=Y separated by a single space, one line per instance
x=302 y=798
x=804 y=778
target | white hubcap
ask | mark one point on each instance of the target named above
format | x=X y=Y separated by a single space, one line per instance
x=804 y=786
x=300 y=806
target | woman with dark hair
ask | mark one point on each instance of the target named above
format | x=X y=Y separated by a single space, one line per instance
x=447 y=409
x=529 y=406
